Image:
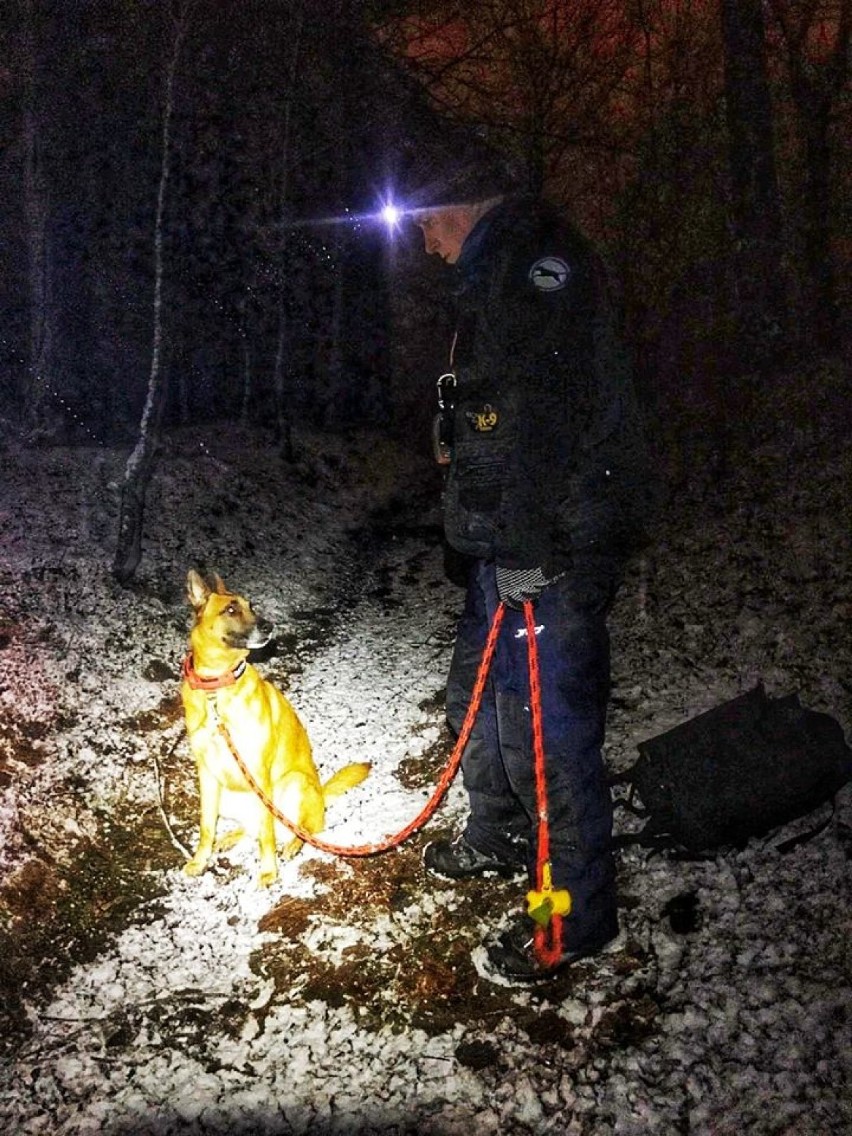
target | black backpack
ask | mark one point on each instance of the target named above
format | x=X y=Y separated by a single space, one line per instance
x=735 y=772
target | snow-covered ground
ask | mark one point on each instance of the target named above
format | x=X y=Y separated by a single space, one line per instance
x=349 y=997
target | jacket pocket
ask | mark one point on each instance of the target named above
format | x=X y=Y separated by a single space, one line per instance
x=472 y=502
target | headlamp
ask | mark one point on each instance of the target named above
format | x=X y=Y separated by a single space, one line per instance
x=391 y=215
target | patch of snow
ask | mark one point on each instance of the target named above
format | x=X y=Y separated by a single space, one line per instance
x=174 y=1026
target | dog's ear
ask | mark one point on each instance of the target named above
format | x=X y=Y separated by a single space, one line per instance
x=218 y=584
x=197 y=591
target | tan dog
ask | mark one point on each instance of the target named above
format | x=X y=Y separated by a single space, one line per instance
x=221 y=689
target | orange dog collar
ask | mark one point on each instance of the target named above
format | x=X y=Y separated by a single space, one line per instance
x=196 y=681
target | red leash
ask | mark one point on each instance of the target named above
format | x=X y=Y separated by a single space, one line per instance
x=443 y=784
x=545 y=905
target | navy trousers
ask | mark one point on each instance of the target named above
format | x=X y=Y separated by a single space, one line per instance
x=498 y=763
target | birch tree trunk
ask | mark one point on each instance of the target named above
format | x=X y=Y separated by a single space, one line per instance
x=140 y=464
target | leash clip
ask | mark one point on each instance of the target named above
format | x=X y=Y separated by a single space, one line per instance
x=446 y=382
x=442 y=424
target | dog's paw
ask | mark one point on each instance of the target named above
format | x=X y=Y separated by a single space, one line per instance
x=195 y=866
x=291 y=849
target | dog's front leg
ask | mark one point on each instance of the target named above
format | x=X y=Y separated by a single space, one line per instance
x=268 y=854
x=210 y=792
x=266 y=844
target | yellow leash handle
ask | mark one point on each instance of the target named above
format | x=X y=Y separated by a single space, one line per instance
x=543 y=904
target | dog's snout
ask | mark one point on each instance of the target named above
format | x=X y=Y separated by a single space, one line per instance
x=260 y=634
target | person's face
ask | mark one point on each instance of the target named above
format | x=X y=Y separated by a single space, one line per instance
x=444 y=230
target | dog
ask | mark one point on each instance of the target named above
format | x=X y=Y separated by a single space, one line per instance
x=221 y=689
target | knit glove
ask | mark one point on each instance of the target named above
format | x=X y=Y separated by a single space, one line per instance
x=514 y=585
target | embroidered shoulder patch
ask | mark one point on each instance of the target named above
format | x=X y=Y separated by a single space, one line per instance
x=549 y=274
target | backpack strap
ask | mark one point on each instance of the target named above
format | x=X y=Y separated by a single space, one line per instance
x=795 y=841
x=628 y=802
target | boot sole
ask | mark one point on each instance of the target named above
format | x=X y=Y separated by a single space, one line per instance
x=529 y=977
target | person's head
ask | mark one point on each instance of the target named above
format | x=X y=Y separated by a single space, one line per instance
x=448 y=207
x=445 y=227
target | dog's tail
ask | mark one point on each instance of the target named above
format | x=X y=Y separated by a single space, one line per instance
x=345 y=779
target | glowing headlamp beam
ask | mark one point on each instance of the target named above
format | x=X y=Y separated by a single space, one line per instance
x=390 y=215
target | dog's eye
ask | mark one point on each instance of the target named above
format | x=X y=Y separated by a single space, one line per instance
x=232 y=609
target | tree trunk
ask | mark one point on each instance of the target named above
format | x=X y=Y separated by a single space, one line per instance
x=755 y=208
x=36 y=211
x=814 y=116
x=818 y=83
x=140 y=464
x=336 y=405
x=280 y=383
x=245 y=410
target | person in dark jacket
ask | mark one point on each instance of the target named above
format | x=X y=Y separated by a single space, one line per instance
x=543 y=492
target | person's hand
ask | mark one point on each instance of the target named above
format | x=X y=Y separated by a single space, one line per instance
x=515 y=585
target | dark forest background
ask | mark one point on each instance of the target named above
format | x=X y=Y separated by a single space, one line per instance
x=188 y=192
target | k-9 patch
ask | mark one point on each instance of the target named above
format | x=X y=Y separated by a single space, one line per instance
x=549 y=274
x=484 y=420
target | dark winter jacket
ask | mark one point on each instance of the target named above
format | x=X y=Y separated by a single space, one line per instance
x=547 y=454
